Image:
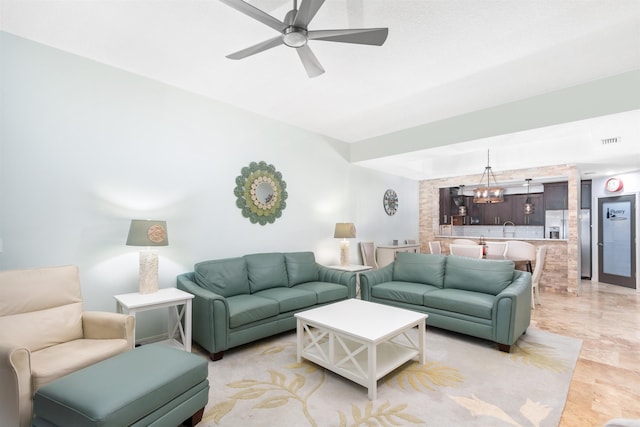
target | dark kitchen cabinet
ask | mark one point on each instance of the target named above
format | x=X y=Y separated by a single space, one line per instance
x=517 y=209
x=473 y=211
x=495 y=213
x=445 y=206
x=556 y=195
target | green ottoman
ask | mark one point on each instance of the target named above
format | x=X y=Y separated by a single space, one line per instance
x=152 y=385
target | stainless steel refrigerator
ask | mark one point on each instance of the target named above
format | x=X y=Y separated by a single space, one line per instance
x=556 y=224
x=585 y=243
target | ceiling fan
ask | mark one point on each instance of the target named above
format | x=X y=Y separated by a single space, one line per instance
x=294 y=32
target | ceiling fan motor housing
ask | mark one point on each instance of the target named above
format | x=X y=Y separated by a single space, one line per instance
x=294 y=37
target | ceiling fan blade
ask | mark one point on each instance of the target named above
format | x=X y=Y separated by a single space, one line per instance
x=306 y=12
x=256 y=14
x=252 y=50
x=310 y=62
x=371 y=36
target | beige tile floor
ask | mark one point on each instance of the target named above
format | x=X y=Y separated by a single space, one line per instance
x=606 y=381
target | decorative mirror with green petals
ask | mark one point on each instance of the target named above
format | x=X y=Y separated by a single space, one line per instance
x=261 y=193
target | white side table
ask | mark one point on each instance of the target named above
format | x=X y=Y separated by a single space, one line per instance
x=170 y=298
x=353 y=268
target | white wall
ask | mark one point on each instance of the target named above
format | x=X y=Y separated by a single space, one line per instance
x=85 y=148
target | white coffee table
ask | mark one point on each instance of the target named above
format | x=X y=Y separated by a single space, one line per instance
x=360 y=340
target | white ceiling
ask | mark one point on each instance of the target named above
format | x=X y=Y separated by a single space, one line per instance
x=442 y=59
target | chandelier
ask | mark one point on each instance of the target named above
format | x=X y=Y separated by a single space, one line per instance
x=489 y=193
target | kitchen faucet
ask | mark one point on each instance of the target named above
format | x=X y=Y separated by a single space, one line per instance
x=504 y=226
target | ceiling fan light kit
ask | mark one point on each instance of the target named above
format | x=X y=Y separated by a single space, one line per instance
x=294 y=32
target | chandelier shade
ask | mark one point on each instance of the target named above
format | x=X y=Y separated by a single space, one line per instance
x=489 y=193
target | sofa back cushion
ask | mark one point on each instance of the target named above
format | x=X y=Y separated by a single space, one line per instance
x=266 y=271
x=301 y=267
x=419 y=268
x=40 y=307
x=477 y=275
x=226 y=277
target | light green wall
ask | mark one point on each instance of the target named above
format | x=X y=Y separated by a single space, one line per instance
x=610 y=95
x=85 y=148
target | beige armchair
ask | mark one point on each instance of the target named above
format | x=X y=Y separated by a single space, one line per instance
x=44 y=334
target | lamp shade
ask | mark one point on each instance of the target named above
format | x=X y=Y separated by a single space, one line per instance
x=146 y=232
x=345 y=230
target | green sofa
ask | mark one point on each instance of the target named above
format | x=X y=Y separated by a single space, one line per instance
x=239 y=300
x=482 y=298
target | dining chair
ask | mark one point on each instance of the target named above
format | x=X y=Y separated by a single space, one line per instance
x=519 y=251
x=435 y=248
x=469 y=251
x=368 y=251
x=496 y=249
x=464 y=242
x=535 y=277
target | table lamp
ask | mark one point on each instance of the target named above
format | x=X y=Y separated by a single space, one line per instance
x=148 y=233
x=344 y=231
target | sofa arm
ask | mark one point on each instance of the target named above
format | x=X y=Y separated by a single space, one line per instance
x=105 y=325
x=210 y=318
x=339 y=277
x=15 y=393
x=513 y=309
x=369 y=279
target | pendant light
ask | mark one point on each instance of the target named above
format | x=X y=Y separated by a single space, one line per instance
x=489 y=193
x=462 y=209
x=528 y=206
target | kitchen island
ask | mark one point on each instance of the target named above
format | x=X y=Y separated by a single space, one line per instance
x=554 y=275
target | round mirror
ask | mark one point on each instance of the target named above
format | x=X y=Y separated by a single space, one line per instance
x=264 y=192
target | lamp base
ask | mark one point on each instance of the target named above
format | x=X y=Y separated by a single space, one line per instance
x=148 y=283
x=344 y=253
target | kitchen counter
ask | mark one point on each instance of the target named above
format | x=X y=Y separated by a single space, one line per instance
x=497 y=232
x=490 y=238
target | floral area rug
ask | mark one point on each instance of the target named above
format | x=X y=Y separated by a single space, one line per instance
x=465 y=382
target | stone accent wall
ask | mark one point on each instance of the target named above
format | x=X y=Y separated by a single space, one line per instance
x=561 y=270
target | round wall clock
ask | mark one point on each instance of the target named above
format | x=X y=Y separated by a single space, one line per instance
x=613 y=184
x=390 y=202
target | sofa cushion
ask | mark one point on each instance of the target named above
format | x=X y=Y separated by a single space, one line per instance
x=245 y=309
x=407 y=292
x=266 y=271
x=419 y=268
x=325 y=291
x=40 y=307
x=43 y=328
x=56 y=361
x=226 y=277
x=301 y=267
x=474 y=304
x=289 y=299
x=477 y=275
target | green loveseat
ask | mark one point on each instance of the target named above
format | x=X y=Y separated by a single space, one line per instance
x=239 y=300
x=482 y=298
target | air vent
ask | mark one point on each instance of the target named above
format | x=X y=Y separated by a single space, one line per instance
x=609 y=141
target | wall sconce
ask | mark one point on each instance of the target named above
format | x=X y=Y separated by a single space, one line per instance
x=344 y=231
x=148 y=233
